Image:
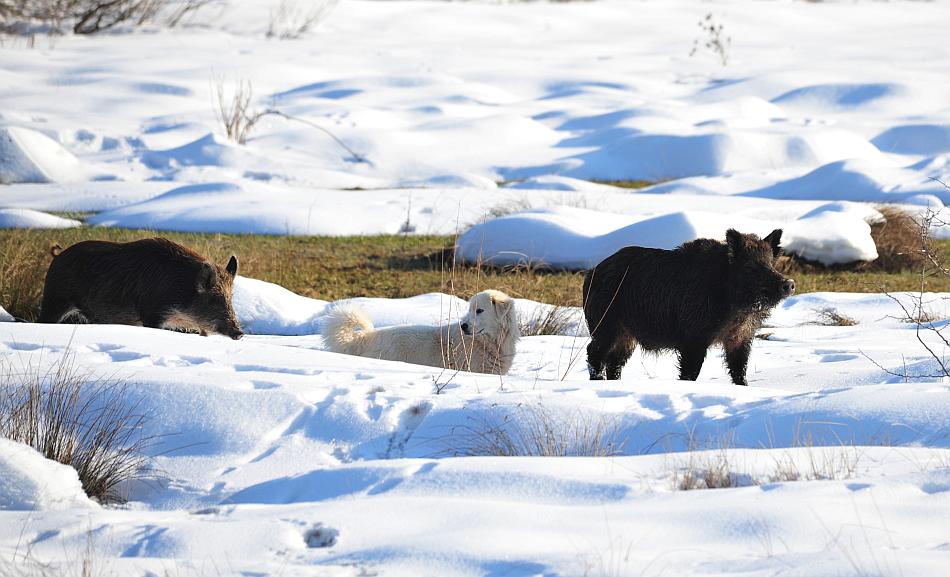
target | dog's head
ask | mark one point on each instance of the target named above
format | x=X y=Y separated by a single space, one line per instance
x=490 y=313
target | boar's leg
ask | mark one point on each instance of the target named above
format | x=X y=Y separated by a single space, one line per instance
x=55 y=309
x=737 y=359
x=606 y=357
x=691 y=357
x=618 y=356
x=597 y=352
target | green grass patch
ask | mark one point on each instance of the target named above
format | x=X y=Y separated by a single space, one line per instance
x=391 y=266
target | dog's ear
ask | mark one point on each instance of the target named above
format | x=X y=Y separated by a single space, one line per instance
x=502 y=305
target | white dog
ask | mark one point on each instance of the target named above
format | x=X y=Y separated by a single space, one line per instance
x=483 y=342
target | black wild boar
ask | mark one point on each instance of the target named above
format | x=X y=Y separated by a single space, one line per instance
x=704 y=292
x=153 y=282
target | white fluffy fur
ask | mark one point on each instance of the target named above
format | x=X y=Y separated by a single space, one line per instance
x=488 y=346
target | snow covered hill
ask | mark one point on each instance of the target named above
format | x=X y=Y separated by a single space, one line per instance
x=490 y=120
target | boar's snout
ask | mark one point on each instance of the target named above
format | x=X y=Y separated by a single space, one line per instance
x=788 y=287
x=236 y=335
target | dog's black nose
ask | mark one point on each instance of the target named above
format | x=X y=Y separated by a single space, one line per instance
x=788 y=287
x=464 y=327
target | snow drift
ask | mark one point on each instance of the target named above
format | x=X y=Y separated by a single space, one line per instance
x=30 y=482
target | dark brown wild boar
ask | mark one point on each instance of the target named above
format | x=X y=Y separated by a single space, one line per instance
x=702 y=293
x=153 y=282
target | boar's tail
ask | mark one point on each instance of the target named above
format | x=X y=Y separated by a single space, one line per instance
x=343 y=327
x=55 y=250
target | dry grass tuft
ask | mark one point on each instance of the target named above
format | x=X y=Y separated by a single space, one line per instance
x=532 y=430
x=830 y=317
x=549 y=320
x=706 y=471
x=78 y=420
x=898 y=240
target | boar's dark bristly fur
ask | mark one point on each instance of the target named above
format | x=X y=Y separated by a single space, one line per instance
x=153 y=282
x=702 y=293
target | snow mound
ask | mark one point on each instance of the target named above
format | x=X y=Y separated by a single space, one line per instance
x=837 y=97
x=30 y=482
x=30 y=156
x=205 y=151
x=836 y=233
x=5 y=317
x=927 y=139
x=268 y=309
x=664 y=156
x=858 y=180
x=27 y=218
x=573 y=238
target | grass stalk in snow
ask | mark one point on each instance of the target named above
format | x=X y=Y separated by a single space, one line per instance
x=533 y=430
x=292 y=19
x=548 y=320
x=830 y=317
x=76 y=419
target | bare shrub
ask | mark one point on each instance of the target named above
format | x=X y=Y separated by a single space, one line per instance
x=715 y=40
x=532 y=430
x=237 y=117
x=76 y=419
x=830 y=317
x=916 y=312
x=89 y=16
x=897 y=237
x=234 y=110
x=292 y=19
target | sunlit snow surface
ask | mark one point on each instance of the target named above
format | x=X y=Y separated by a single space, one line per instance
x=278 y=458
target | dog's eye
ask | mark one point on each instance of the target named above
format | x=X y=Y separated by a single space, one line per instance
x=479 y=311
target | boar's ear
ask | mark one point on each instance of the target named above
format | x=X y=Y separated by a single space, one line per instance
x=206 y=277
x=775 y=239
x=734 y=243
x=232 y=266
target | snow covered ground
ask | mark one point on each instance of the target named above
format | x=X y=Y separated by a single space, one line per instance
x=279 y=458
